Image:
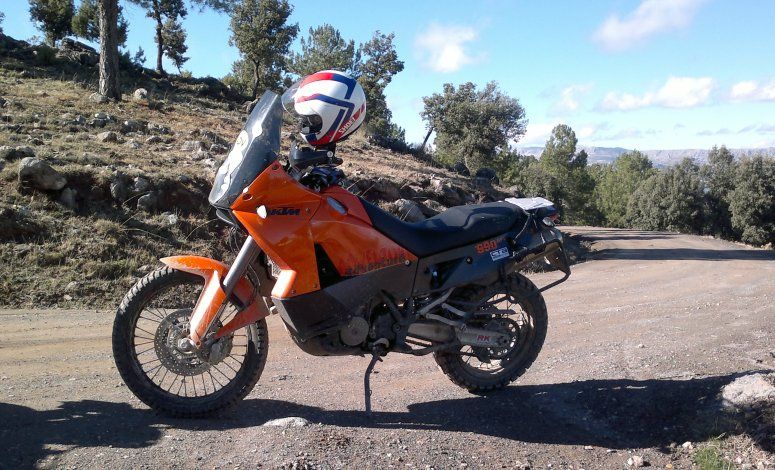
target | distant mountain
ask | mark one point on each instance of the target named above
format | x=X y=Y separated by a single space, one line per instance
x=661 y=158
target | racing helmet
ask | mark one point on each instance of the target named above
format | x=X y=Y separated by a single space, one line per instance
x=329 y=105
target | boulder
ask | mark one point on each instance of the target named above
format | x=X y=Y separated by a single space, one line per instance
x=192 y=146
x=431 y=207
x=98 y=98
x=15 y=153
x=77 y=52
x=408 y=210
x=141 y=184
x=200 y=155
x=108 y=136
x=289 y=422
x=158 y=128
x=40 y=175
x=67 y=198
x=133 y=144
x=133 y=125
x=118 y=190
x=386 y=189
x=154 y=139
x=461 y=169
x=140 y=94
x=219 y=149
x=486 y=175
x=147 y=202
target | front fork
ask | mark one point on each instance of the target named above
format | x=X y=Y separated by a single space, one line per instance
x=221 y=283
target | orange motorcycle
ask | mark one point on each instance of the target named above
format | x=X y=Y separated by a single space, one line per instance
x=346 y=278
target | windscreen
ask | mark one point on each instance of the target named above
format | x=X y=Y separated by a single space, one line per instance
x=257 y=147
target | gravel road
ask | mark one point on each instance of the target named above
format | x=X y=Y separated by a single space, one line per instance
x=641 y=339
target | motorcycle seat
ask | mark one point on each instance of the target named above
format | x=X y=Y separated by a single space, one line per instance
x=457 y=226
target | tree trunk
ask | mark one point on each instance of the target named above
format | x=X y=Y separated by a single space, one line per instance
x=425 y=140
x=159 y=42
x=255 y=81
x=110 y=86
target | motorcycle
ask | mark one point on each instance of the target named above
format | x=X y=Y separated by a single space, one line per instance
x=190 y=339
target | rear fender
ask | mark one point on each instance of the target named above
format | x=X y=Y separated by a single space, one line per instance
x=213 y=296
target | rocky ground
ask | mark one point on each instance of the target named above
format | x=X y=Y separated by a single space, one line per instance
x=659 y=353
x=93 y=193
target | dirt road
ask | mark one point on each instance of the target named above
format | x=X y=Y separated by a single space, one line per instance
x=641 y=339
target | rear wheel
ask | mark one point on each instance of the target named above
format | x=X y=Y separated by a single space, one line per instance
x=151 y=319
x=520 y=312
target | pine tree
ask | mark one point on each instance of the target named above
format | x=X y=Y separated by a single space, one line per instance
x=261 y=32
x=54 y=18
x=324 y=49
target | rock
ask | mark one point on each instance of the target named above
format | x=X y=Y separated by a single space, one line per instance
x=158 y=128
x=140 y=94
x=448 y=195
x=154 y=139
x=636 y=461
x=408 y=210
x=461 y=169
x=218 y=149
x=687 y=445
x=133 y=125
x=108 y=136
x=200 y=155
x=102 y=116
x=133 y=144
x=171 y=220
x=77 y=52
x=79 y=120
x=290 y=422
x=748 y=390
x=434 y=206
x=15 y=153
x=386 y=188
x=68 y=298
x=213 y=137
x=67 y=198
x=40 y=175
x=487 y=173
x=249 y=105
x=210 y=162
x=98 y=98
x=118 y=190
x=141 y=184
x=98 y=122
x=71 y=286
x=147 y=202
x=192 y=145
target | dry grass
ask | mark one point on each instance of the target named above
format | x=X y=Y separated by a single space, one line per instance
x=52 y=256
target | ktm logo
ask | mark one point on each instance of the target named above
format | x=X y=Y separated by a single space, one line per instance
x=284 y=211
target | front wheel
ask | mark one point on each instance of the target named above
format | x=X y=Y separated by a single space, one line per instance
x=516 y=308
x=153 y=316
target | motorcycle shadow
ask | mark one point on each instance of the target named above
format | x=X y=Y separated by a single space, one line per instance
x=616 y=414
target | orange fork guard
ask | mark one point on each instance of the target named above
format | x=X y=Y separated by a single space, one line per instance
x=213 y=296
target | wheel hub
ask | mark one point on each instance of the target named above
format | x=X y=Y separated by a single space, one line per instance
x=169 y=334
x=507 y=327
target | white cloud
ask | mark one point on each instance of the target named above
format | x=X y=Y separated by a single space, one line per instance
x=443 y=48
x=569 y=100
x=650 y=18
x=677 y=92
x=752 y=91
x=538 y=134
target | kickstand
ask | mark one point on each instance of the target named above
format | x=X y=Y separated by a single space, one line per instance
x=375 y=357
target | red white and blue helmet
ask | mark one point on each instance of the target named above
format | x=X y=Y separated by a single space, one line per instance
x=330 y=106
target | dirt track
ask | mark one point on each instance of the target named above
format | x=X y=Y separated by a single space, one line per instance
x=647 y=313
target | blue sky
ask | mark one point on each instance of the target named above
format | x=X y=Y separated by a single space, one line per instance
x=646 y=74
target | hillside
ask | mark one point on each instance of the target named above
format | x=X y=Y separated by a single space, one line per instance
x=661 y=158
x=130 y=179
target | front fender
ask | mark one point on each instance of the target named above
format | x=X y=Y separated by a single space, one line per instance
x=212 y=296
